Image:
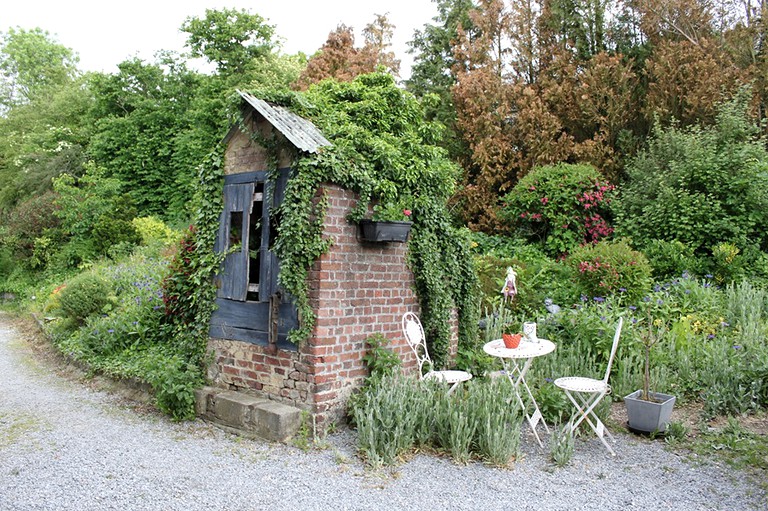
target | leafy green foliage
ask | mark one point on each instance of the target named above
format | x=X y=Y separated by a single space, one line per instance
x=154 y=327
x=153 y=230
x=84 y=296
x=31 y=63
x=560 y=207
x=670 y=258
x=232 y=39
x=188 y=290
x=397 y=414
x=94 y=215
x=562 y=445
x=610 y=267
x=699 y=186
x=384 y=150
x=379 y=360
x=433 y=68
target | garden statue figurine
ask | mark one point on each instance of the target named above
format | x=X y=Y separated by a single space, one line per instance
x=551 y=307
x=510 y=285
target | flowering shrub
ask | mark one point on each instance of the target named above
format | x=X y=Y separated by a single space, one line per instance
x=610 y=267
x=560 y=206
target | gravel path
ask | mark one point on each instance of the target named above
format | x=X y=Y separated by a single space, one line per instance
x=65 y=445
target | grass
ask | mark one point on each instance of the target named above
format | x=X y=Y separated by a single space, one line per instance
x=15 y=426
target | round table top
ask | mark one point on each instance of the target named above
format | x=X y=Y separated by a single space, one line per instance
x=526 y=349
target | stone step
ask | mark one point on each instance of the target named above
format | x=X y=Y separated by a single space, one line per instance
x=248 y=414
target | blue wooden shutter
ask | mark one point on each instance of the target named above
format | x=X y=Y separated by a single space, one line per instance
x=238 y=198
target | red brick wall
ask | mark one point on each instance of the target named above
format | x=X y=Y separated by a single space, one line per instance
x=357 y=289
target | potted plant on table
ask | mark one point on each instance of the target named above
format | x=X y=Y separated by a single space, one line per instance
x=648 y=411
x=389 y=222
x=511 y=340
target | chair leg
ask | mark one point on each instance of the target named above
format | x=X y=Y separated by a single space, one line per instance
x=585 y=408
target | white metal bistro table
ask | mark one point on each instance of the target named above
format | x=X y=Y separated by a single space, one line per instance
x=516 y=369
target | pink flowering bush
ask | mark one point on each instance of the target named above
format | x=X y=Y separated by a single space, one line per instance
x=609 y=268
x=560 y=206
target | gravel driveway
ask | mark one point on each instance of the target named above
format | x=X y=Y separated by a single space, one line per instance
x=65 y=445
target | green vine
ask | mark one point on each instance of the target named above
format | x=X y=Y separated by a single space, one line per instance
x=189 y=292
x=385 y=151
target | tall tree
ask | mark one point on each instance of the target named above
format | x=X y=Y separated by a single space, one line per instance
x=232 y=39
x=433 y=71
x=43 y=122
x=31 y=62
x=378 y=43
x=340 y=59
x=141 y=112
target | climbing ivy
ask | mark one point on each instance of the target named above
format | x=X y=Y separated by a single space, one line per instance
x=384 y=150
x=188 y=290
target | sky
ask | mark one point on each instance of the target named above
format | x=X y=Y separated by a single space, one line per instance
x=104 y=33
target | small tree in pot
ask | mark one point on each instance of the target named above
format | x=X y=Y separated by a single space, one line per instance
x=647 y=411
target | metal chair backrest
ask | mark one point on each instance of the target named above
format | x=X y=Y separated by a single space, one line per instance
x=613 y=349
x=414 y=334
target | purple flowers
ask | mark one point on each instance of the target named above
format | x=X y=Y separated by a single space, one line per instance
x=632 y=307
x=599 y=299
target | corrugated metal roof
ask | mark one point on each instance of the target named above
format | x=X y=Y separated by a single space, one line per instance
x=302 y=133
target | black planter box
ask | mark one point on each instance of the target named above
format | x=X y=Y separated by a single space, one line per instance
x=385 y=231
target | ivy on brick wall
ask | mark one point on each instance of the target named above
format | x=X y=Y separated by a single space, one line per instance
x=384 y=150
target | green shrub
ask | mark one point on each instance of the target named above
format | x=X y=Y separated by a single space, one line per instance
x=153 y=230
x=113 y=231
x=562 y=444
x=699 y=186
x=727 y=263
x=670 y=258
x=83 y=296
x=538 y=278
x=608 y=268
x=560 y=206
x=396 y=414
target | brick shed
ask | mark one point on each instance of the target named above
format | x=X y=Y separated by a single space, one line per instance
x=357 y=288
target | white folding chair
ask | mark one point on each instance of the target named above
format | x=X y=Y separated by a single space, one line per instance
x=414 y=334
x=586 y=393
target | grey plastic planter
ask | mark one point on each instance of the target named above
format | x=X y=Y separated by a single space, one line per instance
x=385 y=231
x=649 y=416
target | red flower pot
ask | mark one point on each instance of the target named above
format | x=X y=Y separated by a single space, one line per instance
x=511 y=341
